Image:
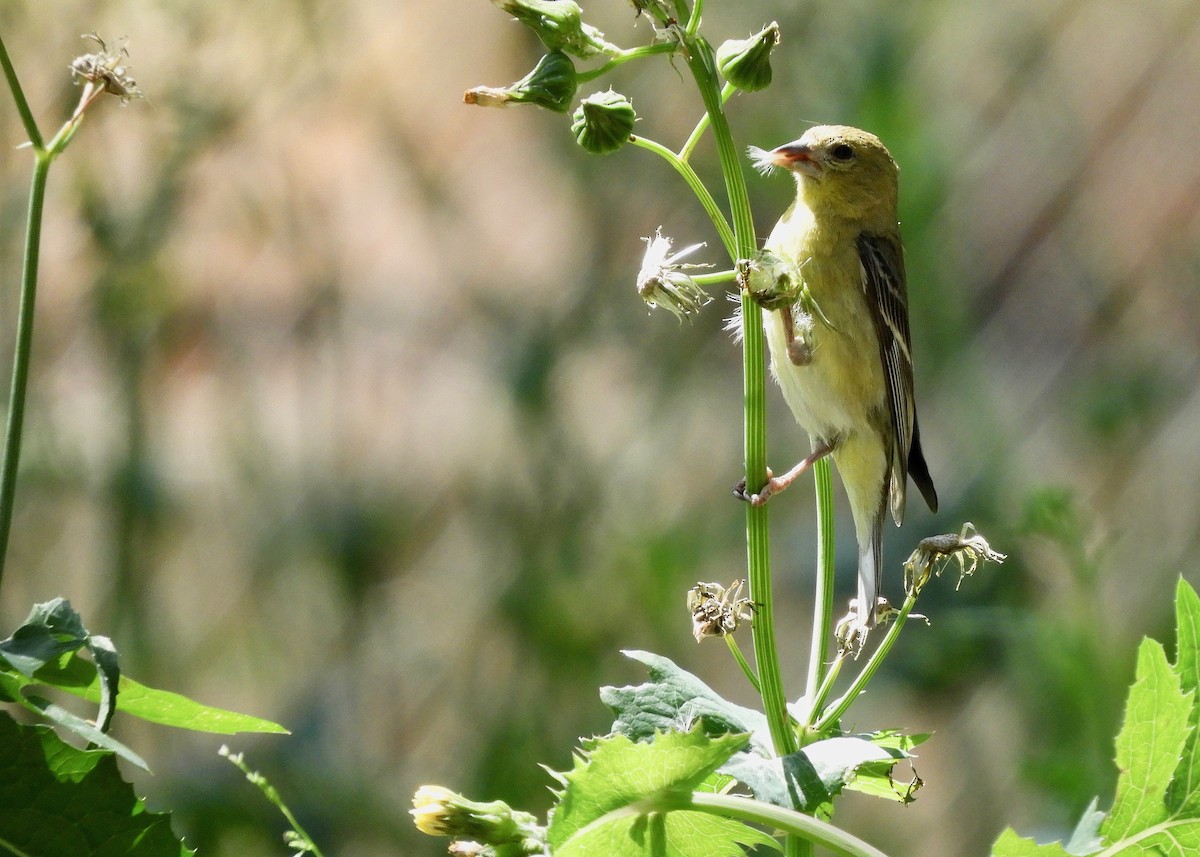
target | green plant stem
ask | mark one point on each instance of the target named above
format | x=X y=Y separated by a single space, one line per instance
x=817 y=700
x=736 y=651
x=693 y=23
x=624 y=57
x=18 y=94
x=823 y=599
x=839 y=706
x=697 y=185
x=715 y=278
x=20 y=371
x=796 y=824
x=685 y=153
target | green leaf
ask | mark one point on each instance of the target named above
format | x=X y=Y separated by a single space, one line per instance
x=63 y=802
x=14 y=687
x=674 y=699
x=52 y=628
x=876 y=779
x=1011 y=845
x=617 y=800
x=809 y=778
x=75 y=675
x=1184 y=794
x=1148 y=746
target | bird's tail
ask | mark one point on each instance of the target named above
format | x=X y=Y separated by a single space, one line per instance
x=870 y=563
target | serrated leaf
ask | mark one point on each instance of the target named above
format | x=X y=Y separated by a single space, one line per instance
x=876 y=778
x=1184 y=794
x=1011 y=845
x=63 y=802
x=76 y=676
x=618 y=784
x=674 y=699
x=1148 y=745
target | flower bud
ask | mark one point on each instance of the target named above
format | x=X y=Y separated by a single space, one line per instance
x=603 y=122
x=551 y=84
x=559 y=24
x=746 y=63
x=438 y=811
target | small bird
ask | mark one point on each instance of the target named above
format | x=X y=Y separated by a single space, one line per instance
x=847 y=374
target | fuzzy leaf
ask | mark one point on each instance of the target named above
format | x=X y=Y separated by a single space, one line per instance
x=806 y=780
x=674 y=699
x=1086 y=837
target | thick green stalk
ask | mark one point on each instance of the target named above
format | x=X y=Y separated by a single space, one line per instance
x=795 y=824
x=20 y=371
x=702 y=64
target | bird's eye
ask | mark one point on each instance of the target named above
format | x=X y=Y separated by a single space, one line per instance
x=842 y=152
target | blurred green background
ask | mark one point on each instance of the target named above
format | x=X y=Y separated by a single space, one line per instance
x=345 y=412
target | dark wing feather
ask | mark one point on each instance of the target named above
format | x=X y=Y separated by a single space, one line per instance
x=882 y=260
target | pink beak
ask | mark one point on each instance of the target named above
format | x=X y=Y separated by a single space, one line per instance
x=795 y=156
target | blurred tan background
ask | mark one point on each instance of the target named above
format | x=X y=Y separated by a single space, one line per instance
x=345 y=412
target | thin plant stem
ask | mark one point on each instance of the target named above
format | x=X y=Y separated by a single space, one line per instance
x=817 y=701
x=823 y=599
x=715 y=278
x=843 y=702
x=736 y=651
x=693 y=23
x=18 y=94
x=685 y=153
x=24 y=345
x=697 y=185
x=624 y=57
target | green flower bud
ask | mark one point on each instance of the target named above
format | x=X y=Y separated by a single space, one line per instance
x=746 y=63
x=603 y=122
x=551 y=84
x=559 y=24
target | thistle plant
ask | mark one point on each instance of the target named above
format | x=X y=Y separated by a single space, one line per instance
x=685 y=771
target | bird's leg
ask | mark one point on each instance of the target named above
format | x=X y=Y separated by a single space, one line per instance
x=775 y=484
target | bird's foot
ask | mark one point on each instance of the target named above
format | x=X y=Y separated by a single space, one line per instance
x=770 y=489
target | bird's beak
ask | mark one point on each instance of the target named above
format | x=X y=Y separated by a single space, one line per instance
x=797 y=157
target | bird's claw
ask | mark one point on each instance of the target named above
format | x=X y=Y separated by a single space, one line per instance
x=765 y=493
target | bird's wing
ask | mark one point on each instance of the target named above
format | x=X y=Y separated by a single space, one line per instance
x=882 y=261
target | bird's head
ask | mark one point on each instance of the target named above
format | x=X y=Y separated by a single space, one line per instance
x=840 y=171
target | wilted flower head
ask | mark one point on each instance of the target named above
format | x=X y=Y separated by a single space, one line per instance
x=559 y=24
x=603 y=122
x=933 y=554
x=662 y=282
x=551 y=84
x=716 y=610
x=746 y=63
x=106 y=70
